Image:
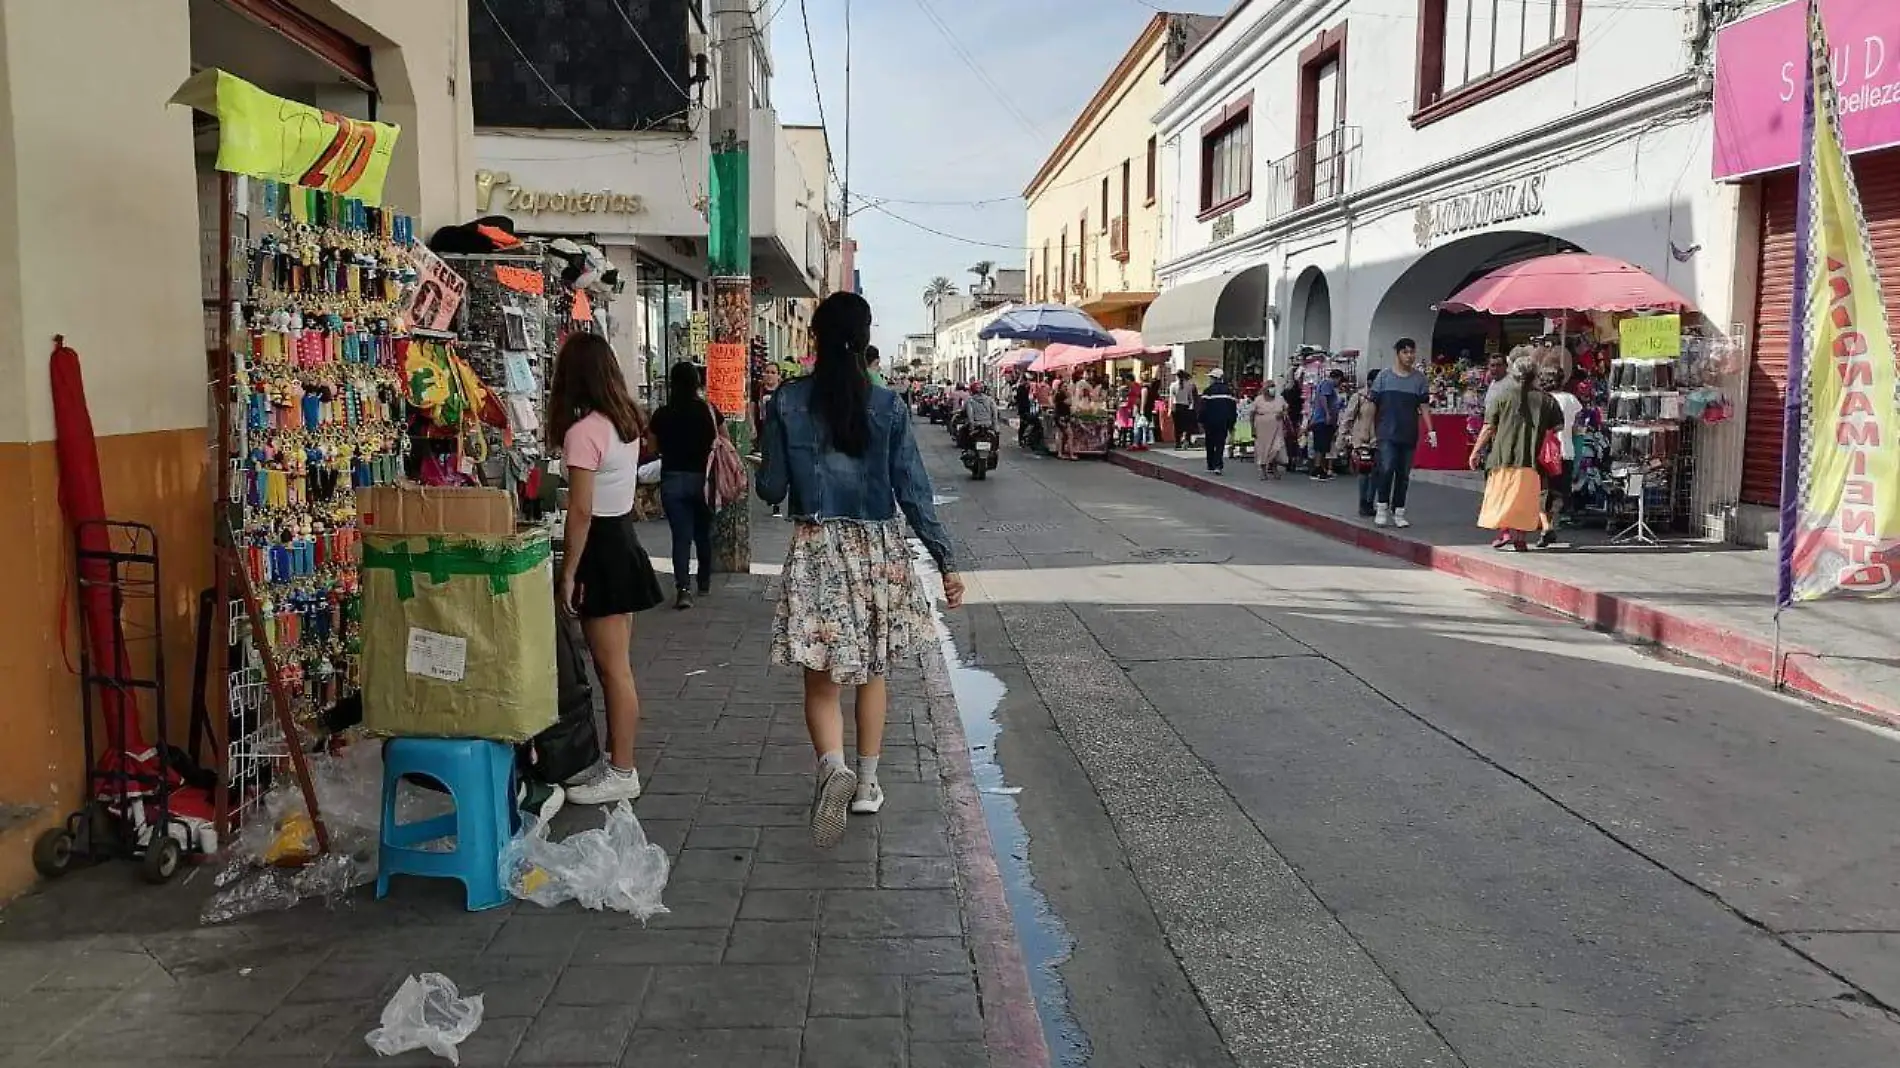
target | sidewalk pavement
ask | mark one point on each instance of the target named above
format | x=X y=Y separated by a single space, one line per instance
x=1709 y=601
x=894 y=948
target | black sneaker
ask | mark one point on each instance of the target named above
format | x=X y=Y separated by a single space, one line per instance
x=1544 y=540
x=683 y=599
x=539 y=799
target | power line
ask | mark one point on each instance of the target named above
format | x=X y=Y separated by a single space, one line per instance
x=881 y=209
x=534 y=70
x=664 y=73
x=817 y=90
x=962 y=53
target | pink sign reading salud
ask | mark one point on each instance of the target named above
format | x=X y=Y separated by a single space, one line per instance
x=1759 y=77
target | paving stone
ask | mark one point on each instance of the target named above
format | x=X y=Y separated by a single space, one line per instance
x=911 y=840
x=602 y=984
x=784 y=815
x=492 y=1045
x=349 y=980
x=257 y=988
x=893 y=956
x=762 y=789
x=98 y=969
x=577 y=1035
x=813 y=875
x=947 y=1054
x=942 y=1008
x=669 y=835
x=680 y=806
x=785 y=845
x=740 y=1048
x=781 y=905
x=788 y=752
x=542 y=933
x=307 y=1030
x=856 y=995
x=891 y=914
x=723 y=838
x=703 y=904
x=846 y=1043
x=752 y=995
x=916 y=873
x=646 y=945
x=768 y=942
x=710 y=865
x=510 y=986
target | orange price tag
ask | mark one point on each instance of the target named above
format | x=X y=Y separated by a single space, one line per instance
x=725 y=378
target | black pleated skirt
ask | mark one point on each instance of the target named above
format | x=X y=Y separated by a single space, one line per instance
x=616 y=574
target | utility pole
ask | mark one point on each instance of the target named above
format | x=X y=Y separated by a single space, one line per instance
x=729 y=254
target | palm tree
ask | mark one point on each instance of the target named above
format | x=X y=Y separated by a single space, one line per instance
x=939 y=288
x=982 y=270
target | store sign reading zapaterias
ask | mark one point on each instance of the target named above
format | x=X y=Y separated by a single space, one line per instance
x=1521 y=199
x=536 y=201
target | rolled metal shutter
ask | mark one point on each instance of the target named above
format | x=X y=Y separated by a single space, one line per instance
x=1878 y=176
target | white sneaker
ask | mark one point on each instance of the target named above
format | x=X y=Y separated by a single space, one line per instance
x=594 y=771
x=612 y=785
x=1382 y=517
x=1398 y=518
x=869 y=799
x=836 y=787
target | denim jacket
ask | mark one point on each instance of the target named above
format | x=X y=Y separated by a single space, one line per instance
x=826 y=484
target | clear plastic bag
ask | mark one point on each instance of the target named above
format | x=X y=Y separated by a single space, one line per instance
x=612 y=867
x=428 y=1012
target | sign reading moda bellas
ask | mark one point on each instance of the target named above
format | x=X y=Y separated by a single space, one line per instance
x=518 y=198
x=1761 y=67
x=1521 y=199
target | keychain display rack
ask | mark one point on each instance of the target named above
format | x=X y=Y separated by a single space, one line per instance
x=314 y=293
x=506 y=338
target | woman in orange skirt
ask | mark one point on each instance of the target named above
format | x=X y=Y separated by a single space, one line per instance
x=1514 y=425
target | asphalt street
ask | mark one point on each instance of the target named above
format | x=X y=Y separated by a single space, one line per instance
x=1287 y=803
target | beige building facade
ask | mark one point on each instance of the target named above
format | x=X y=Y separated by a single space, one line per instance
x=1094 y=221
x=102 y=242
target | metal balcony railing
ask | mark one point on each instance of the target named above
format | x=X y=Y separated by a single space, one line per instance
x=1314 y=173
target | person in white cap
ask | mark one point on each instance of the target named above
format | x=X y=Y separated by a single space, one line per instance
x=1220 y=409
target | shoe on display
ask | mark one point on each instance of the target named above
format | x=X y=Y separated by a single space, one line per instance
x=1398 y=518
x=612 y=785
x=538 y=799
x=829 y=805
x=869 y=798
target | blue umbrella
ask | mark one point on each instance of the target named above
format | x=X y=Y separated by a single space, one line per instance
x=1048 y=322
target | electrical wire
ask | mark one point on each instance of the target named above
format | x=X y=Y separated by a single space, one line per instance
x=963 y=53
x=882 y=210
x=817 y=90
x=638 y=36
x=534 y=70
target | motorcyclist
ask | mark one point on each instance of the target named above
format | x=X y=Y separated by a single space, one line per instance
x=979 y=408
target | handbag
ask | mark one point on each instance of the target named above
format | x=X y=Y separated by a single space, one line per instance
x=725 y=472
x=1364 y=459
x=1550 y=454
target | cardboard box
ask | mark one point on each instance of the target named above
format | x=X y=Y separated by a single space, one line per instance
x=411 y=508
x=458 y=635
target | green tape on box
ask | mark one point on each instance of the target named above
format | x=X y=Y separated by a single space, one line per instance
x=458 y=636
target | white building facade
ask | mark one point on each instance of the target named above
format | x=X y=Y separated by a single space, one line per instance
x=1332 y=172
x=959 y=355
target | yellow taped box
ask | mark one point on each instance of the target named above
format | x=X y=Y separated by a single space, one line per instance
x=458 y=635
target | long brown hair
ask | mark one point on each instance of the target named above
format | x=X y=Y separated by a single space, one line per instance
x=587 y=379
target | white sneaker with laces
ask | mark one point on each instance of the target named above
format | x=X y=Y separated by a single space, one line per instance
x=612 y=785
x=869 y=799
x=1398 y=518
x=595 y=771
x=829 y=805
x=1382 y=517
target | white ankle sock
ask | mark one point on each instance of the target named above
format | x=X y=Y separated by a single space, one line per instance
x=867 y=768
x=831 y=760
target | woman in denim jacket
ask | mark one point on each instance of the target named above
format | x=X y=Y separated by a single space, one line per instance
x=850 y=603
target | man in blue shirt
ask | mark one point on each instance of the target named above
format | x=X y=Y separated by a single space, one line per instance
x=1401 y=394
x=1324 y=422
x=1220 y=410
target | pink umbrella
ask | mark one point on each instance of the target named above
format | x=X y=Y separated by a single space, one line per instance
x=1128 y=346
x=1569 y=281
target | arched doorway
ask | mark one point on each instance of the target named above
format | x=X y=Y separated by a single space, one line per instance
x=1408 y=307
x=1311 y=322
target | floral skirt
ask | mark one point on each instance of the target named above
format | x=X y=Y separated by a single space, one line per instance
x=850 y=601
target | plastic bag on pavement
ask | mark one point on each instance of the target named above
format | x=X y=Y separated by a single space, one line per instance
x=428 y=1012
x=612 y=867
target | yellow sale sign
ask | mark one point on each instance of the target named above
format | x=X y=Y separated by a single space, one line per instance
x=1653 y=337
x=267 y=136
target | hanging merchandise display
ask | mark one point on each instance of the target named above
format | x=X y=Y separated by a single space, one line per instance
x=318 y=409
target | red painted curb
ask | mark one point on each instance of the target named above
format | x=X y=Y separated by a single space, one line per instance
x=1012 y=1028
x=1621 y=616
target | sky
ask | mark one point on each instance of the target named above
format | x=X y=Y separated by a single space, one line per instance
x=926 y=127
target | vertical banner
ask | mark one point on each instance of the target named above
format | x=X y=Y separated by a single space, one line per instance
x=1840 y=485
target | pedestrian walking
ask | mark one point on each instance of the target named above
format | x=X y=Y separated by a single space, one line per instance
x=606 y=575
x=1324 y=423
x=1558 y=487
x=1269 y=431
x=1219 y=412
x=1064 y=400
x=769 y=380
x=685 y=427
x=850 y=601
x=1358 y=438
x=1295 y=419
x=1506 y=448
x=1186 y=401
x=1401 y=394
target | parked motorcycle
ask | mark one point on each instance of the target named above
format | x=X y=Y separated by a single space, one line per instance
x=981 y=451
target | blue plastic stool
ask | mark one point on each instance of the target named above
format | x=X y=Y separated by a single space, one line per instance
x=479 y=776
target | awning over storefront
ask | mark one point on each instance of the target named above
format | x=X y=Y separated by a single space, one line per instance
x=1226 y=307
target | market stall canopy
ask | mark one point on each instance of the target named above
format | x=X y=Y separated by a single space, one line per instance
x=1568 y=281
x=1047 y=322
x=1128 y=346
x=1226 y=307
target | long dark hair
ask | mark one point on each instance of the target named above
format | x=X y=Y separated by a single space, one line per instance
x=840 y=385
x=587 y=379
x=682 y=386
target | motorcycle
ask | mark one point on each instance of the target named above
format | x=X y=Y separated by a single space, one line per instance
x=981 y=451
